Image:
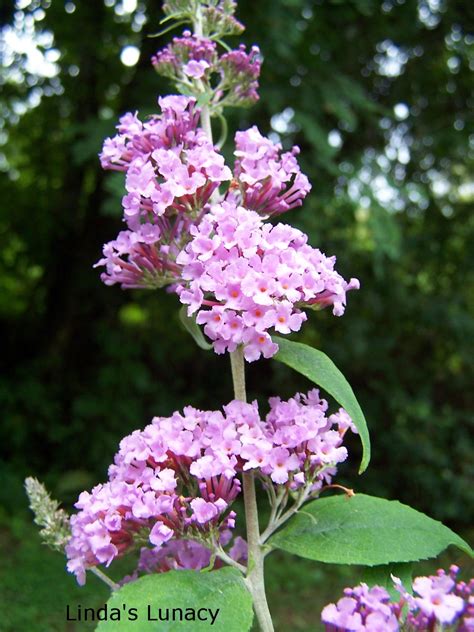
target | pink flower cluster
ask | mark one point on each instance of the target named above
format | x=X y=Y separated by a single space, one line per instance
x=187 y=554
x=171 y=166
x=239 y=77
x=191 y=59
x=188 y=56
x=269 y=182
x=177 y=555
x=177 y=478
x=362 y=609
x=171 y=172
x=438 y=601
x=245 y=277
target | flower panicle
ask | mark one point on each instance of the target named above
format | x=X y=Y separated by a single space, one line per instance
x=196 y=225
x=176 y=480
x=245 y=279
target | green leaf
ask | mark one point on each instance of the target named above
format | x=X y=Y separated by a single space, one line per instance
x=321 y=370
x=382 y=576
x=364 y=530
x=190 y=591
x=193 y=328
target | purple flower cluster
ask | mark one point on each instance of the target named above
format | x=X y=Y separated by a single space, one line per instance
x=246 y=277
x=188 y=554
x=239 y=77
x=171 y=167
x=361 y=609
x=177 y=478
x=176 y=555
x=191 y=61
x=171 y=172
x=270 y=183
x=438 y=601
x=196 y=227
x=186 y=57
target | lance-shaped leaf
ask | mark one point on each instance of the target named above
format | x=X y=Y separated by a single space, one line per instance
x=364 y=530
x=321 y=370
x=195 y=600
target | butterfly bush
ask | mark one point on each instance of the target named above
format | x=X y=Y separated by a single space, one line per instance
x=245 y=278
x=176 y=480
x=209 y=232
x=177 y=555
x=439 y=602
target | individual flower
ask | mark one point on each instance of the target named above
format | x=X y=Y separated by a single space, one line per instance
x=435 y=598
x=269 y=181
x=244 y=278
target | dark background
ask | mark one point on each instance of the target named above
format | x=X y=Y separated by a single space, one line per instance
x=378 y=96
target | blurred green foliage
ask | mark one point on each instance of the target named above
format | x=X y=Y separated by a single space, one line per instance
x=377 y=95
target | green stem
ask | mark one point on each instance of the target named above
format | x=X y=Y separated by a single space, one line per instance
x=221 y=554
x=255 y=570
x=102 y=576
x=223 y=136
x=205 y=114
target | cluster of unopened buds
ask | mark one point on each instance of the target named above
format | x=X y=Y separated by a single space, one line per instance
x=192 y=61
x=437 y=603
x=176 y=480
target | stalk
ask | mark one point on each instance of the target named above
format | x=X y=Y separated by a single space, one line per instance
x=205 y=115
x=255 y=579
x=255 y=568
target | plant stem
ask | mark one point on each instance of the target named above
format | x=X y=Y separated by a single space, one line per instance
x=255 y=570
x=105 y=578
x=255 y=575
x=205 y=115
x=221 y=554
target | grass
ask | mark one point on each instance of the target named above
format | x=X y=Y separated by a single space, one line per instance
x=35 y=588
